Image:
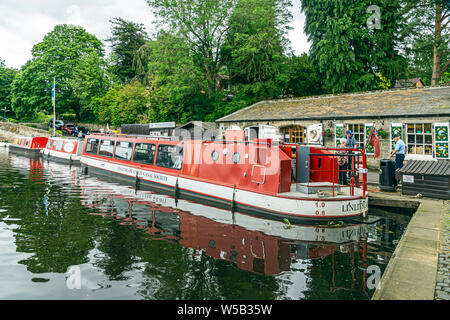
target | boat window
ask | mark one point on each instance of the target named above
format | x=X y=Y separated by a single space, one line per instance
x=92 y=146
x=106 y=148
x=236 y=158
x=123 y=151
x=144 y=153
x=169 y=156
x=59 y=145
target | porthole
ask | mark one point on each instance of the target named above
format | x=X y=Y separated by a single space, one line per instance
x=214 y=155
x=236 y=157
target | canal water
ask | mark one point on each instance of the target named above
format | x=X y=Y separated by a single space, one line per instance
x=67 y=235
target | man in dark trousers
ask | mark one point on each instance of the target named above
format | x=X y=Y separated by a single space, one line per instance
x=399 y=151
x=351 y=144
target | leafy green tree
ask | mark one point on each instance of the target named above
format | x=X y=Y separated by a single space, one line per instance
x=256 y=40
x=6 y=79
x=122 y=104
x=303 y=77
x=348 y=50
x=179 y=86
x=203 y=25
x=427 y=38
x=127 y=37
x=59 y=56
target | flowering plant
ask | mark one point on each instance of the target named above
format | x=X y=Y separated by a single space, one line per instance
x=383 y=134
x=327 y=133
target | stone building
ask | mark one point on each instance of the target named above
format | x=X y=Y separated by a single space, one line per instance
x=421 y=116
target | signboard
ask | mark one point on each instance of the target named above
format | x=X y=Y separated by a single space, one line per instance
x=441 y=140
x=408 y=179
x=339 y=134
x=314 y=134
x=396 y=128
x=162 y=125
x=368 y=129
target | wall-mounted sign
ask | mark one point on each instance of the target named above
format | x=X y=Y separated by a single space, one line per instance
x=162 y=125
x=408 y=179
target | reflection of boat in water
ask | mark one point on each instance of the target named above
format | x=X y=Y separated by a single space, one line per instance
x=253 y=244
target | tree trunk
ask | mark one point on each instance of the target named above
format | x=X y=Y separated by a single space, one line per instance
x=436 y=50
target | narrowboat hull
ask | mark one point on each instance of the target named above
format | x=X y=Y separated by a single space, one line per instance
x=35 y=153
x=61 y=157
x=279 y=207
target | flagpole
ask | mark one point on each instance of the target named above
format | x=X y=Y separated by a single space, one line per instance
x=53 y=102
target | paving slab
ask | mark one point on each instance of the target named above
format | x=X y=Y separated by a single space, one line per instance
x=412 y=271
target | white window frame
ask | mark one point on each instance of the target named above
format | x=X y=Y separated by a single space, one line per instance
x=360 y=143
x=413 y=156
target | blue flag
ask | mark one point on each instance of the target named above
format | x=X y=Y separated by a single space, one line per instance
x=53 y=93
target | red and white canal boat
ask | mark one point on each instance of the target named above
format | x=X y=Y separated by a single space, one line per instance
x=28 y=145
x=256 y=177
x=64 y=149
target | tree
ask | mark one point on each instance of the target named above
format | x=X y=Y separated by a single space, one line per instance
x=256 y=42
x=122 y=104
x=203 y=25
x=427 y=42
x=59 y=56
x=6 y=79
x=179 y=87
x=303 y=77
x=348 y=51
x=127 y=37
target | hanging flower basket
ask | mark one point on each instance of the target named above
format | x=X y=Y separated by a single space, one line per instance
x=383 y=134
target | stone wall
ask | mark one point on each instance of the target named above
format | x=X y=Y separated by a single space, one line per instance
x=10 y=130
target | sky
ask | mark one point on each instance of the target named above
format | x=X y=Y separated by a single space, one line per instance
x=24 y=23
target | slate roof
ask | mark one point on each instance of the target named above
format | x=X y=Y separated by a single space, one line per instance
x=408 y=83
x=422 y=167
x=419 y=102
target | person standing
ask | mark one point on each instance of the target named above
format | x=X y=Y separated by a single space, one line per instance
x=351 y=144
x=399 y=151
x=343 y=162
x=351 y=141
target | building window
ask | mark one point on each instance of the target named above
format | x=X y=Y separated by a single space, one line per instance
x=419 y=138
x=294 y=134
x=358 y=133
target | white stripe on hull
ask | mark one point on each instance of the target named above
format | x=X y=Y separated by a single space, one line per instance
x=308 y=208
x=61 y=155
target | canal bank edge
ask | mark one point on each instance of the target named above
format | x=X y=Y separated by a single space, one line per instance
x=411 y=273
x=443 y=274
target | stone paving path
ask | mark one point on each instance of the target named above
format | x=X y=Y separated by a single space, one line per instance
x=443 y=275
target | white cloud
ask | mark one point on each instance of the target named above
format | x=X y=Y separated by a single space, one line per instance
x=24 y=23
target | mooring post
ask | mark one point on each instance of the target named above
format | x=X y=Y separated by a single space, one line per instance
x=137 y=183
x=233 y=201
x=177 y=189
